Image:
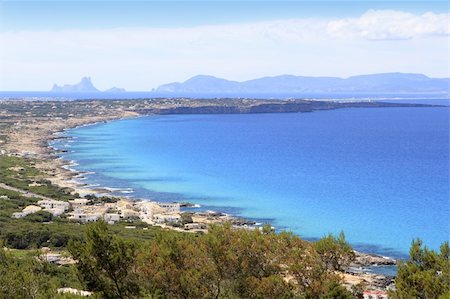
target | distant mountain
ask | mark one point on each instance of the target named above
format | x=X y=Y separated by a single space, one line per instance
x=376 y=83
x=201 y=83
x=85 y=85
x=115 y=89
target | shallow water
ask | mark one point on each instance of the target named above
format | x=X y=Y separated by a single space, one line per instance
x=381 y=174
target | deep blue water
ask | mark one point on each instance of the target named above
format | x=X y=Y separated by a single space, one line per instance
x=381 y=174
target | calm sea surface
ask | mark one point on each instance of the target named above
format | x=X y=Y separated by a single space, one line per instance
x=381 y=175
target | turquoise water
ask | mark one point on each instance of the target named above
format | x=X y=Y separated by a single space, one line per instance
x=381 y=175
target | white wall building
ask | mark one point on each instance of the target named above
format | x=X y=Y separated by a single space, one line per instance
x=84 y=217
x=170 y=207
x=78 y=202
x=111 y=218
x=54 y=204
x=164 y=218
x=27 y=211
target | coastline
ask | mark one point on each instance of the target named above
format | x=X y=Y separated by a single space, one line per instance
x=32 y=138
x=372 y=269
x=70 y=177
x=60 y=171
x=65 y=175
x=366 y=262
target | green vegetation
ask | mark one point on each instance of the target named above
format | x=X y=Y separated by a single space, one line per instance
x=27 y=234
x=225 y=263
x=14 y=203
x=335 y=253
x=30 y=276
x=41 y=216
x=146 y=262
x=100 y=200
x=425 y=275
x=41 y=230
x=20 y=173
x=106 y=263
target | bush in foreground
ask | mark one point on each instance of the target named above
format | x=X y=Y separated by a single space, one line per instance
x=425 y=275
x=225 y=263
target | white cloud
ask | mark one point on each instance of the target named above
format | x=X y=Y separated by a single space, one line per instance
x=391 y=25
x=142 y=58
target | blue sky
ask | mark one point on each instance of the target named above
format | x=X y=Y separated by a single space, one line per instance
x=47 y=15
x=140 y=45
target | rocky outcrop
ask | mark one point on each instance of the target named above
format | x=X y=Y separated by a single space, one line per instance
x=367 y=259
x=85 y=85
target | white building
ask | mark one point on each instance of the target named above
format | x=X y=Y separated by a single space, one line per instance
x=164 y=218
x=54 y=204
x=56 y=211
x=129 y=213
x=74 y=292
x=111 y=218
x=84 y=217
x=170 y=207
x=78 y=202
x=27 y=211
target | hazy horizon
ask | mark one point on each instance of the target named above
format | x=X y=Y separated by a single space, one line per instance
x=141 y=45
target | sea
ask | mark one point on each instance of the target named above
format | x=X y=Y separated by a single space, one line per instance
x=52 y=95
x=381 y=175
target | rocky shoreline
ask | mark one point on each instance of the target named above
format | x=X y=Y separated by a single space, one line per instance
x=368 y=259
x=361 y=262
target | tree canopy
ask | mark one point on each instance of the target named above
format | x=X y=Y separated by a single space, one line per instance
x=224 y=263
x=425 y=275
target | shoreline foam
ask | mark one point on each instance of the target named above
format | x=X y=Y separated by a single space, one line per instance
x=49 y=159
x=112 y=189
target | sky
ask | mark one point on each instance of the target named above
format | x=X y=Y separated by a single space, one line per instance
x=139 y=45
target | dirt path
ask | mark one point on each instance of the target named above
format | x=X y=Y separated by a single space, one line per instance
x=24 y=192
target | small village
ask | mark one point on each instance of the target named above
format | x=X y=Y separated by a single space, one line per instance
x=112 y=210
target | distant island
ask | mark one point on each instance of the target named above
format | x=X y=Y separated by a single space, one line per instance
x=386 y=83
x=85 y=85
x=375 y=83
x=115 y=89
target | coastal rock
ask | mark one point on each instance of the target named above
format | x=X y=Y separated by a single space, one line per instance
x=185 y=204
x=242 y=222
x=367 y=259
